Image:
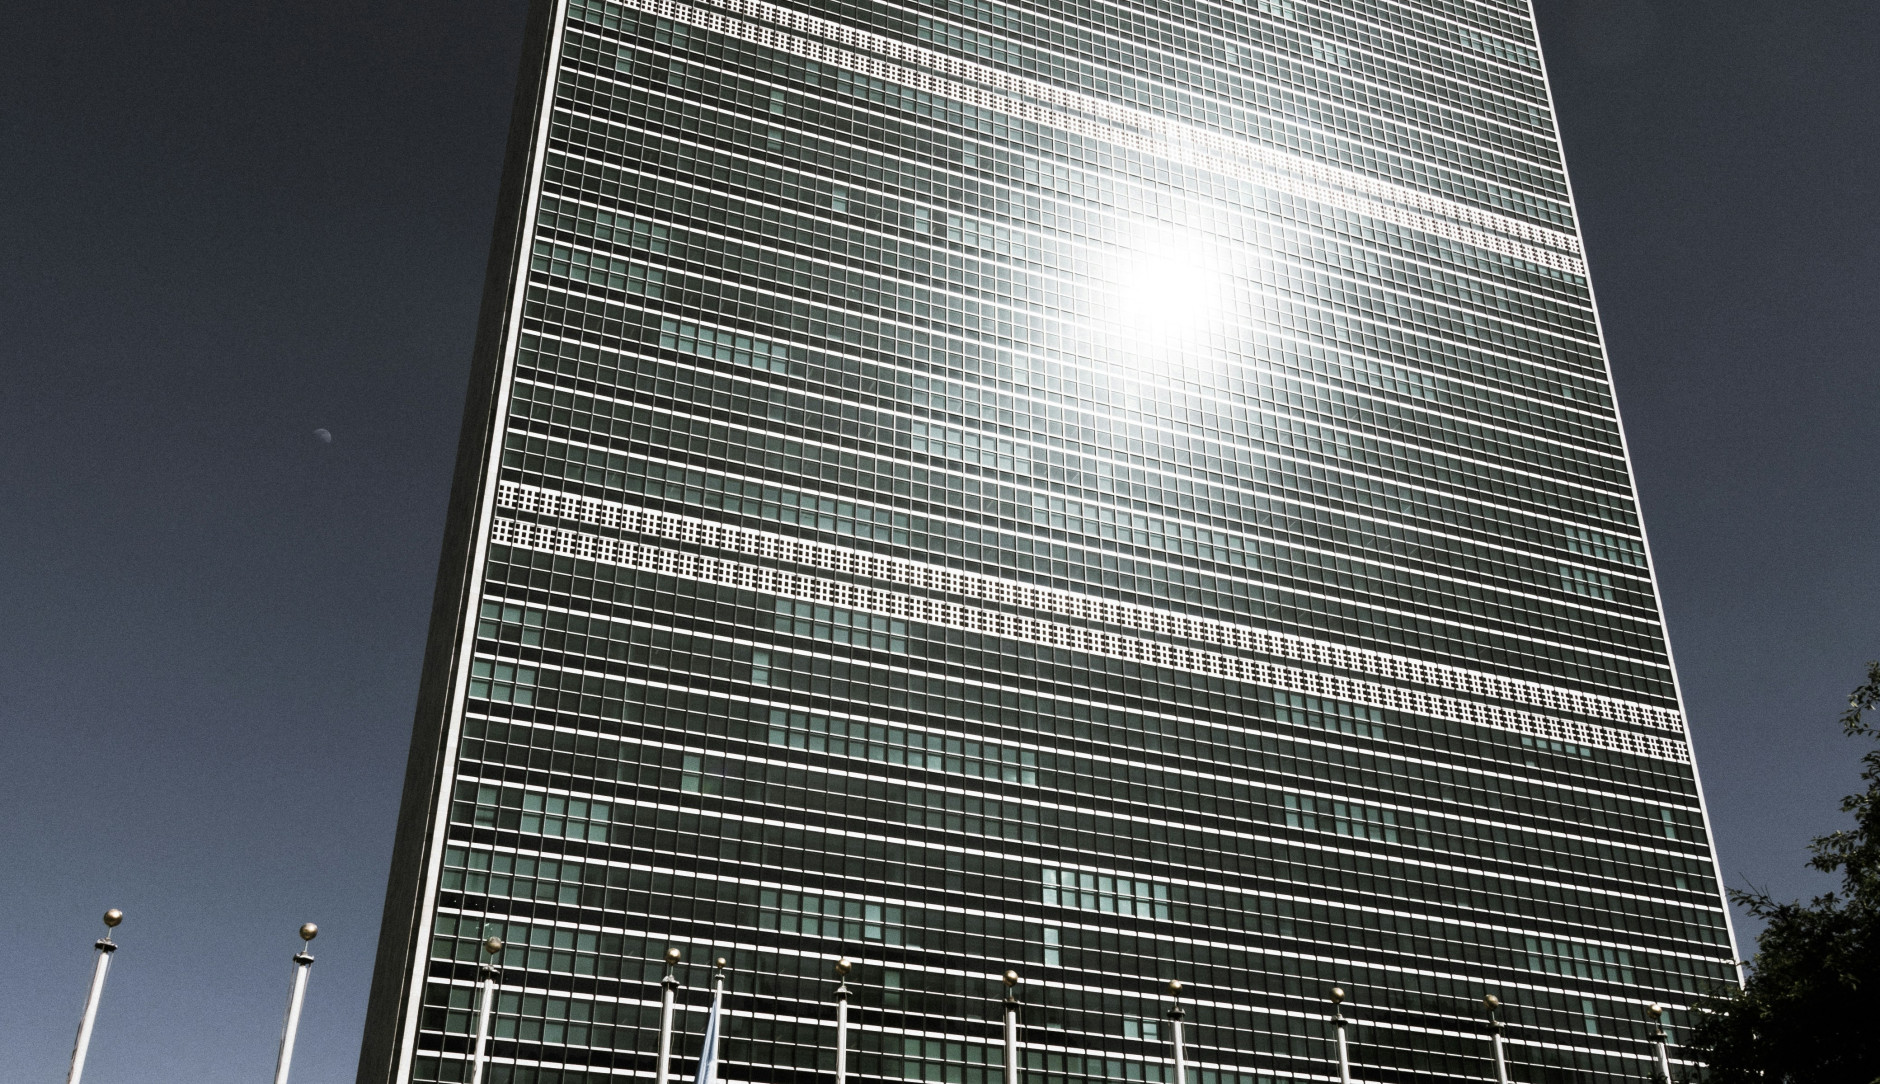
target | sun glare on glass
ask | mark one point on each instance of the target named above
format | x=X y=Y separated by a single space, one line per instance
x=1168 y=294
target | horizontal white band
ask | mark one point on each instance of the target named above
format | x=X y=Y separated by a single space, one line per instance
x=1174 y=140
x=1171 y=130
x=730 y=572
x=1124 y=615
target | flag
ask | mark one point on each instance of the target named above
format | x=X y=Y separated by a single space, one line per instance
x=708 y=1061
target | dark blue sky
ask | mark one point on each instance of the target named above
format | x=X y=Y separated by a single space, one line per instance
x=226 y=225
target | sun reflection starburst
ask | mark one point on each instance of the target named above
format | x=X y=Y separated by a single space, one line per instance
x=1166 y=295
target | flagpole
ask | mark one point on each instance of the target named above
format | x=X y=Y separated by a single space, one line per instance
x=1339 y=1022
x=82 y=1046
x=1662 y=1059
x=1175 y=1015
x=290 y=1028
x=663 y=1072
x=1493 y=1004
x=708 y=1057
x=1011 y=1027
x=842 y=1020
x=718 y=1003
x=490 y=974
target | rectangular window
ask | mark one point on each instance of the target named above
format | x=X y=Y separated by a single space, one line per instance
x=837 y=625
x=503 y=682
x=702 y=774
x=1105 y=892
x=1579 y=960
x=831 y=916
x=897 y=745
x=1302 y=710
x=1345 y=818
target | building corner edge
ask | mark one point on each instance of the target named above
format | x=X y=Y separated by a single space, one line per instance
x=402 y=937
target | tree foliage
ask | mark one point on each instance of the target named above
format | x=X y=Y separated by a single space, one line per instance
x=1809 y=1012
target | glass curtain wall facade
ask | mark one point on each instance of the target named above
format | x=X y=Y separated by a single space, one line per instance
x=1124 y=491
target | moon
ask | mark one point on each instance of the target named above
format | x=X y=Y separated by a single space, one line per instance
x=325 y=435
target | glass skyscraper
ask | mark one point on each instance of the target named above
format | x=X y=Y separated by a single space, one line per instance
x=1122 y=491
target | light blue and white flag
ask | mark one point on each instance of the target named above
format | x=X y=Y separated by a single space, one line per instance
x=708 y=1061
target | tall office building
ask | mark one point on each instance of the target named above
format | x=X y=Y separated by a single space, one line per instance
x=1123 y=490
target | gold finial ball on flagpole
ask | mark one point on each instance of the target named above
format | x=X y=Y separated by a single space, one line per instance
x=1491 y=1003
x=721 y=963
x=113 y=917
x=1338 y=994
x=672 y=955
x=1011 y=978
x=308 y=931
x=1175 y=987
x=493 y=946
x=1655 y=1010
x=843 y=966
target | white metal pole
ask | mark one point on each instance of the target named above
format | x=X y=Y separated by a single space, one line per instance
x=483 y=1026
x=82 y=1045
x=842 y=1020
x=1344 y=1052
x=668 y=985
x=1493 y=1003
x=718 y=998
x=1175 y=1015
x=290 y=1028
x=493 y=946
x=1011 y=1027
x=1663 y=1059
